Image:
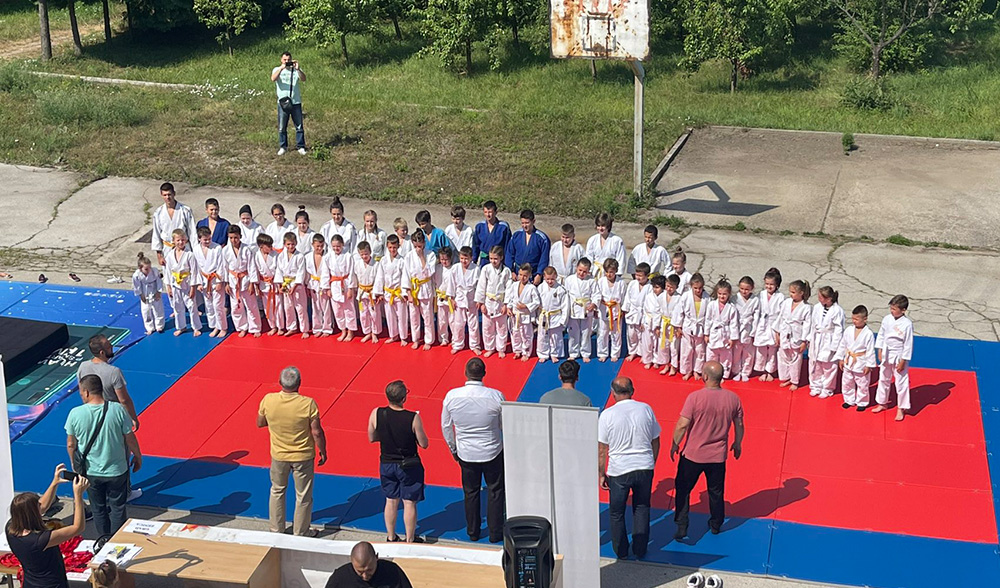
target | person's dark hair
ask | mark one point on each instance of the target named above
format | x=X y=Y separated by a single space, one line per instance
x=829 y=292
x=458 y=212
x=234 y=230
x=364 y=246
x=802 y=286
x=528 y=214
x=524 y=267
x=211 y=202
x=490 y=205
x=96 y=344
x=393 y=239
x=336 y=204
x=585 y=262
x=466 y=250
x=203 y=231
x=418 y=237
x=302 y=213
x=674 y=279
x=722 y=284
x=659 y=282
x=91 y=383
x=568 y=229
x=25 y=515
x=395 y=392
x=652 y=230
x=860 y=309
x=475 y=369
x=167 y=187
x=697 y=278
x=610 y=264
x=622 y=386
x=286 y=53
x=497 y=250
x=899 y=301
x=423 y=216
x=603 y=219
x=277 y=207
x=747 y=280
x=643 y=268
x=265 y=239
x=773 y=274
x=446 y=251
x=569 y=371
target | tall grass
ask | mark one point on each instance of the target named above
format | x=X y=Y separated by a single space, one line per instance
x=95 y=109
x=19 y=18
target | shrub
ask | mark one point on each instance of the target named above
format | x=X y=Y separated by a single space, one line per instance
x=847 y=141
x=100 y=110
x=13 y=79
x=865 y=93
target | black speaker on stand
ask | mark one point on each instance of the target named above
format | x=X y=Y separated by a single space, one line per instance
x=528 y=561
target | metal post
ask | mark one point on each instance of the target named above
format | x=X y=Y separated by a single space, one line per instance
x=640 y=79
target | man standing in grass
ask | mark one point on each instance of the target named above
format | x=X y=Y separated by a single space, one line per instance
x=287 y=79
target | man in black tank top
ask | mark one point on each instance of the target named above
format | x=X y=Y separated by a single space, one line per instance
x=398 y=432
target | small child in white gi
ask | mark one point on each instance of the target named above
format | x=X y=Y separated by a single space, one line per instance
x=211 y=281
x=552 y=315
x=290 y=276
x=632 y=306
x=668 y=350
x=318 y=291
x=765 y=326
x=895 y=348
x=794 y=324
x=461 y=287
x=443 y=301
x=397 y=321
x=722 y=327
x=148 y=286
x=582 y=291
x=418 y=289
x=610 y=294
x=827 y=332
x=182 y=278
x=368 y=277
x=743 y=351
x=490 y=292
x=339 y=278
x=857 y=359
x=240 y=277
x=265 y=262
x=689 y=320
x=522 y=304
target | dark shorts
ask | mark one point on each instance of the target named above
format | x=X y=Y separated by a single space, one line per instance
x=407 y=484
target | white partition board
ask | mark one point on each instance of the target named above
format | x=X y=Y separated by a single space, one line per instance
x=6 y=466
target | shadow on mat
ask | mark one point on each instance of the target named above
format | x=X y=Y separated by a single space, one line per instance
x=155 y=488
x=361 y=505
x=923 y=396
x=451 y=519
x=622 y=575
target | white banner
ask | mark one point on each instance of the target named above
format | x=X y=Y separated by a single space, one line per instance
x=6 y=466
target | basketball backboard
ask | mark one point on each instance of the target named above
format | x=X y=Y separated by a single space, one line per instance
x=600 y=29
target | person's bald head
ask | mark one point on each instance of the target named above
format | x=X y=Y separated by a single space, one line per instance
x=364 y=560
x=622 y=388
x=712 y=372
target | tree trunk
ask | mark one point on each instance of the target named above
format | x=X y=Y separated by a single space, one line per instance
x=107 y=21
x=75 y=27
x=734 y=75
x=876 y=61
x=43 y=26
x=230 y=45
x=468 y=56
x=343 y=47
x=128 y=18
x=395 y=25
x=517 y=37
x=593 y=69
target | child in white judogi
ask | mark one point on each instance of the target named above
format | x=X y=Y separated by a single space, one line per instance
x=368 y=277
x=581 y=289
x=278 y=228
x=610 y=293
x=632 y=306
x=794 y=332
x=552 y=315
x=148 y=286
x=648 y=252
x=565 y=254
x=722 y=327
x=303 y=234
x=338 y=276
x=241 y=275
x=678 y=267
x=290 y=278
x=318 y=290
x=652 y=322
x=374 y=236
x=490 y=292
x=826 y=333
x=338 y=225
x=743 y=351
x=443 y=301
x=211 y=281
x=856 y=358
x=182 y=281
x=605 y=245
x=689 y=319
x=249 y=228
x=397 y=321
x=265 y=262
x=418 y=288
x=458 y=233
x=895 y=348
x=765 y=326
x=522 y=304
x=668 y=349
x=402 y=231
x=461 y=285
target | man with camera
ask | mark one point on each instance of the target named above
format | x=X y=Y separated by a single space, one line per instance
x=287 y=79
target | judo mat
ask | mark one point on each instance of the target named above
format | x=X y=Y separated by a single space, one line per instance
x=24 y=342
x=820 y=493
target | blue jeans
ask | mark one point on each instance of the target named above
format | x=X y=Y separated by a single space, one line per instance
x=107 y=500
x=300 y=133
x=640 y=484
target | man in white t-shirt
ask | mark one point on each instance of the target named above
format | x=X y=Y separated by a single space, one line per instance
x=287 y=79
x=629 y=442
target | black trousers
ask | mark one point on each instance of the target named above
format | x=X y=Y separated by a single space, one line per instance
x=688 y=473
x=473 y=474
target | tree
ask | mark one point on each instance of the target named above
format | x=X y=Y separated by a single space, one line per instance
x=454 y=25
x=229 y=17
x=43 y=25
x=75 y=28
x=518 y=15
x=738 y=31
x=394 y=10
x=107 y=21
x=328 y=21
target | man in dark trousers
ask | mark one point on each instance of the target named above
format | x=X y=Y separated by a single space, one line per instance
x=705 y=420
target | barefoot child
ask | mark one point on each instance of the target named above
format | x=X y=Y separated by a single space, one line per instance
x=610 y=294
x=522 y=304
x=605 y=245
x=147 y=285
x=265 y=263
x=582 y=291
x=338 y=225
x=182 y=277
x=678 y=267
x=211 y=281
x=418 y=289
x=240 y=276
x=650 y=253
x=632 y=306
x=462 y=282
x=826 y=333
x=552 y=314
x=895 y=348
x=793 y=333
x=689 y=319
x=743 y=351
x=373 y=235
x=765 y=326
x=444 y=303
x=339 y=278
x=722 y=327
x=317 y=289
x=856 y=358
x=652 y=322
x=490 y=291
x=668 y=352
x=565 y=254
x=397 y=321
x=368 y=276
x=290 y=276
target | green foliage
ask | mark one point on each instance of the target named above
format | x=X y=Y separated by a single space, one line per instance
x=454 y=25
x=920 y=47
x=326 y=22
x=161 y=15
x=742 y=32
x=229 y=17
x=847 y=142
x=901 y=240
x=13 y=79
x=865 y=93
x=101 y=110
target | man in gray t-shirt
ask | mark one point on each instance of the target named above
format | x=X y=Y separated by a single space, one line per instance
x=567 y=394
x=111 y=377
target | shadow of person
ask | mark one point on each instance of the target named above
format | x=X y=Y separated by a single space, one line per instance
x=662 y=496
x=177 y=474
x=759 y=505
x=923 y=396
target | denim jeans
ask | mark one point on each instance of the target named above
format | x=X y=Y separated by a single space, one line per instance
x=107 y=500
x=300 y=133
x=688 y=473
x=640 y=484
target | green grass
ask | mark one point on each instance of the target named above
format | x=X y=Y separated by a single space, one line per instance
x=392 y=125
x=19 y=18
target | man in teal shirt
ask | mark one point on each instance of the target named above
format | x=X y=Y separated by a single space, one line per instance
x=288 y=78
x=106 y=461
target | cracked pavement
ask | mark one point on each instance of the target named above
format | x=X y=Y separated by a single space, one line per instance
x=57 y=222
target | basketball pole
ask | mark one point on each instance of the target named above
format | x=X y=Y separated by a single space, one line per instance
x=640 y=80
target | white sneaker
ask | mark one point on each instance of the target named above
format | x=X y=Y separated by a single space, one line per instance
x=135 y=493
x=696 y=580
x=115 y=280
x=713 y=581
x=826 y=395
x=302 y=150
x=281 y=151
x=813 y=392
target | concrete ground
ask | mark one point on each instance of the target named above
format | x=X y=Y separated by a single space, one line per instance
x=924 y=189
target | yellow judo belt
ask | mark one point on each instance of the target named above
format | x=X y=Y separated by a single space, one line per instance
x=415 y=284
x=442 y=296
x=169 y=244
x=664 y=330
x=180 y=277
x=545 y=318
x=394 y=293
x=365 y=290
x=287 y=281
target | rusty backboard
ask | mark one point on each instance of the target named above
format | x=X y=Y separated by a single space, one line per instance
x=600 y=29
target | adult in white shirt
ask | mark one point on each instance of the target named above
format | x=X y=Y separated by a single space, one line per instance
x=169 y=216
x=470 y=422
x=628 y=438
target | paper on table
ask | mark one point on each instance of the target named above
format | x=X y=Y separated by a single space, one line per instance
x=84 y=546
x=143 y=527
x=79 y=576
x=120 y=553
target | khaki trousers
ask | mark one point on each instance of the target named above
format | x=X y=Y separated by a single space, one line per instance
x=302 y=475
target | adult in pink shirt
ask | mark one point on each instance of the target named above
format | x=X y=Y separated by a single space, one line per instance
x=705 y=420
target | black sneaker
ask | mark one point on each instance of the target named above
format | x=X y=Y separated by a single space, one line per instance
x=682 y=532
x=845 y=406
x=861 y=408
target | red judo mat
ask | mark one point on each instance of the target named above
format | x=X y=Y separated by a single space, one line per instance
x=804 y=460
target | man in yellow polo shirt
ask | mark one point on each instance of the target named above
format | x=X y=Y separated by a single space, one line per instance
x=296 y=435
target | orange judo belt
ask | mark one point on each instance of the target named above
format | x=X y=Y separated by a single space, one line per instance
x=612 y=319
